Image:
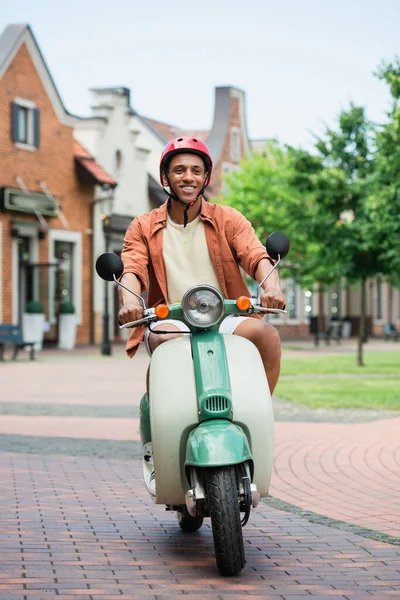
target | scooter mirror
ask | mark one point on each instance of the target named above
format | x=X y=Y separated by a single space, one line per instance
x=108 y=265
x=277 y=244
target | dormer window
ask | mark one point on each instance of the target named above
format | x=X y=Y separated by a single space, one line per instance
x=235 y=144
x=25 y=124
x=118 y=163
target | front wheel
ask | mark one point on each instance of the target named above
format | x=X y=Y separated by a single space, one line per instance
x=224 y=509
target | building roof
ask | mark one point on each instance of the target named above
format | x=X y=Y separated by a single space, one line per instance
x=169 y=132
x=13 y=36
x=94 y=172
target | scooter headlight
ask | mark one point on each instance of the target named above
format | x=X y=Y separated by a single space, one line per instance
x=202 y=306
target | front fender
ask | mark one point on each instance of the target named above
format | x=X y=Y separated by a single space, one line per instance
x=215 y=443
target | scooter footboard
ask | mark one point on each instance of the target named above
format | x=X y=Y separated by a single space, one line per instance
x=173 y=414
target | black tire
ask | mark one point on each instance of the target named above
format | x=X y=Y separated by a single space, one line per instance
x=186 y=522
x=224 y=511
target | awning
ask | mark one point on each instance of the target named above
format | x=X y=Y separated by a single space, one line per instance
x=41 y=205
x=89 y=170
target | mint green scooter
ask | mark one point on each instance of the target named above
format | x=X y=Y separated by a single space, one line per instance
x=207 y=430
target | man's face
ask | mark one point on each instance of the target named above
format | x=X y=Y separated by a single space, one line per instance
x=186 y=175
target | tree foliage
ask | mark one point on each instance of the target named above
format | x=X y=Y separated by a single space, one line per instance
x=339 y=204
x=384 y=201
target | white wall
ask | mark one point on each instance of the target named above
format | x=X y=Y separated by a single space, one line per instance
x=146 y=138
x=113 y=129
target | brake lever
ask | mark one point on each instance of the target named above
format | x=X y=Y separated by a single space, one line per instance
x=149 y=316
x=256 y=307
x=274 y=311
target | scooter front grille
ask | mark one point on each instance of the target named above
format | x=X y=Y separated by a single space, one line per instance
x=217 y=404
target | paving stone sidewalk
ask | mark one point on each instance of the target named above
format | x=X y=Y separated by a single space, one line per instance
x=77 y=522
x=84 y=527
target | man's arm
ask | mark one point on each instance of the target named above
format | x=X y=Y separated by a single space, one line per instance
x=135 y=257
x=131 y=309
x=272 y=296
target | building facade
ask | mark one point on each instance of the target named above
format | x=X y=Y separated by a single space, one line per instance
x=47 y=192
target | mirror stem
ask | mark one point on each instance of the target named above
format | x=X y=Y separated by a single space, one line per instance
x=267 y=275
x=142 y=302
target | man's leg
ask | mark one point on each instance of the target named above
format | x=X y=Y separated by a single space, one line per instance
x=266 y=338
x=155 y=339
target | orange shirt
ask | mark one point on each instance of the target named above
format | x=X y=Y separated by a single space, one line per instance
x=231 y=243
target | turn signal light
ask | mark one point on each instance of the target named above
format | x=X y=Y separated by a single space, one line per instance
x=243 y=303
x=162 y=311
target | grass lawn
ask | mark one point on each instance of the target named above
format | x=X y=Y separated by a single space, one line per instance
x=332 y=364
x=343 y=385
x=334 y=392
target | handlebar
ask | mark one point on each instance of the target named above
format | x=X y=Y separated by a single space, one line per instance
x=150 y=316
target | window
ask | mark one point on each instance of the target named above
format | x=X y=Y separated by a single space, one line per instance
x=334 y=301
x=235 y=144
x=227 y=169
x=118 y=163
x=25 y=123
x=398 y=304
x=308 y=304
x=63 y=253
x=291 y=296
x=378 y=299
x=65 y=249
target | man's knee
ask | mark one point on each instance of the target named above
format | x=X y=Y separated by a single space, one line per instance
x=155 y=339
x=272 y=335
x=260 y=333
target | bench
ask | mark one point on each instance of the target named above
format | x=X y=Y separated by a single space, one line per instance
x=391 y=332
x=11 y=334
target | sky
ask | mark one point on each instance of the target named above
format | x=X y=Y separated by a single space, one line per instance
x=299 y=62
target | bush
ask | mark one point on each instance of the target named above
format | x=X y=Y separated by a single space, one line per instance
x=67 y=308
x=34 y=307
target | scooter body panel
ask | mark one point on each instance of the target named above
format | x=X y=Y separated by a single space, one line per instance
x=252 y=405
x=173 y=415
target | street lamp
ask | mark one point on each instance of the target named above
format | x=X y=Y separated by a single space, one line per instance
x=106 y=346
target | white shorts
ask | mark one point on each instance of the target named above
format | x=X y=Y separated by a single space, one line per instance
x=228 y=325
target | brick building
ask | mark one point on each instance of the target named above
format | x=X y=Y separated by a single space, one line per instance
x=48 y=185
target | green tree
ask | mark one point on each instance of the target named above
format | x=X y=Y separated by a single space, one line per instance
x=320 y=201
x=356 y=235
x=274 y=190
x=385 y=198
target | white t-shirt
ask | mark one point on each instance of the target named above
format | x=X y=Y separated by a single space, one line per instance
x=186 y=258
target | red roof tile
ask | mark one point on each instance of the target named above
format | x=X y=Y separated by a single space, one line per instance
x=92 y=167
x=169 y=132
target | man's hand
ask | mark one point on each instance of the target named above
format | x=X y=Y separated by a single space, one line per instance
x=273 y=298
x=132 y=311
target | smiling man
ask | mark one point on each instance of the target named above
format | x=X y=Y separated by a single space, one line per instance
x=187 y=242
